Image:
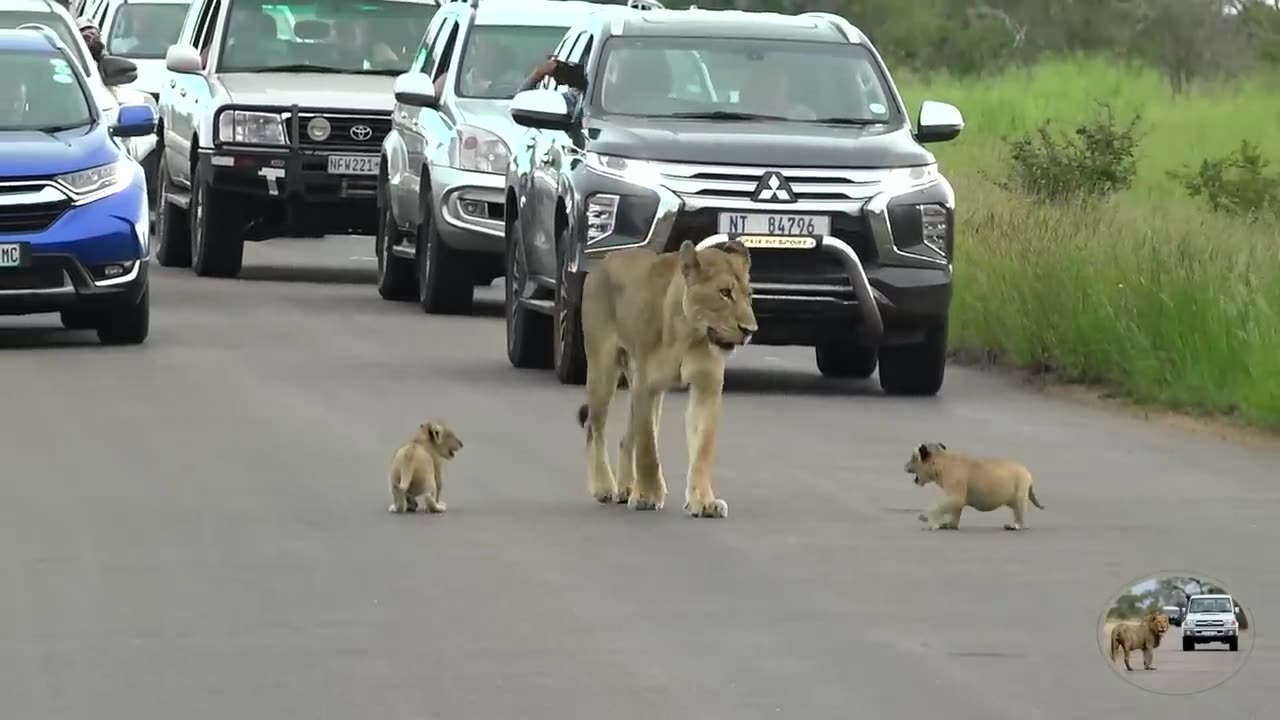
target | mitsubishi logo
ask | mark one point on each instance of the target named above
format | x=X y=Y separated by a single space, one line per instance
x=361 y=132
x=773 y=188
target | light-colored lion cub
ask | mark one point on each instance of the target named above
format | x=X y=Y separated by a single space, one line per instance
x=983 y=484
x=417 y=468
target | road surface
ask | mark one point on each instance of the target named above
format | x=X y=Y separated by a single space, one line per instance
x=198 y=528
x=1178 y=672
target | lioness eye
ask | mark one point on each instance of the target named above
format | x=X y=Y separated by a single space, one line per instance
x=727 y=293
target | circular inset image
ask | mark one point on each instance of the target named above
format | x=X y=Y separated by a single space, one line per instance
x=1176 y=633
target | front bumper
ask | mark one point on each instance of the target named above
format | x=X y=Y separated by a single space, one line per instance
x=75 y=257
x=1209 y=634
x=870 y=278
x=471 y=208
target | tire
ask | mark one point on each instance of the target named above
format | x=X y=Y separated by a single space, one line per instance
x=528 y=331
x=129 y=326
x=173 y=228
x=569 y=353
x=1233 y=645
x=844 y=359
x=444 y=277
x=78 y=320
x=916 y=369
x=217 y=245
x=396 y=279
x=1187 y=645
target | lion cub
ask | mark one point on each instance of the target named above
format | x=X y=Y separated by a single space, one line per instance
x=416 y=469
x=983 y=484
x=1144 y=636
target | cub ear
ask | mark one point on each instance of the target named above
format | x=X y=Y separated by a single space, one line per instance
x=941 y=446
x=923 y=451
x=735 y=247
x=689 y=264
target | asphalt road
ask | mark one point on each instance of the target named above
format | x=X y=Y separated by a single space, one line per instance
x=1178 y=672
x=198 y=528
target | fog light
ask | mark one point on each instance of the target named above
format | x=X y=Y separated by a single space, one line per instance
x=602 y=215
x=474 y=208
x=933 y=226
x=318 y=129
x=113 y=270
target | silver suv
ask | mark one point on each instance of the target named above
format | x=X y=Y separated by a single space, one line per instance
x=444 y=162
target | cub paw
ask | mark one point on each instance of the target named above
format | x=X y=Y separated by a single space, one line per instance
x=1012 y=526
x=642 y=502
x=717 y=508
x=393 y=509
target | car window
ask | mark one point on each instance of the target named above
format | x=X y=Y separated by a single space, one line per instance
x=39 y=91
x=789 y=80
x=497 y=59
x=10 y=19
x=374 y=36
x=144 y=30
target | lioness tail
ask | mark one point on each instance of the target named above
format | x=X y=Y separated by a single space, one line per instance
x=1031 y=494
x=1115 y=644
x=584 y=414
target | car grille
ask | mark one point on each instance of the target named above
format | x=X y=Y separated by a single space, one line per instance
x=1209 y=623
x=344 y=131
x=28 y=217
x=708 y=183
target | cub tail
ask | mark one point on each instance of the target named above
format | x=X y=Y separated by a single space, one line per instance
x=1031 y=495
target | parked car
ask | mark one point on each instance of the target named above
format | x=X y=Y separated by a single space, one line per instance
x=73 y=211
x=443 y=173
x=1174 y=613
x=274 y=115
x=1211 y=619
x=784 y=132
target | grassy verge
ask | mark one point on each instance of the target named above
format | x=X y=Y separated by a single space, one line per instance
x=1150 y=293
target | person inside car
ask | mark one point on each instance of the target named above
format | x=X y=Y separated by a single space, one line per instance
x=567 y=75
x=92 y=38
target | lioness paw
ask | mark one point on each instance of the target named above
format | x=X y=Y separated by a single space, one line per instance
x=622 y=496
x=393 y=508
x=440 y=507
x=640 y=502
x=604 y=497
x=717 y=508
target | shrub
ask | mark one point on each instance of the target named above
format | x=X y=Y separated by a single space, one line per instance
x=1099 y=161
x=1236 y=183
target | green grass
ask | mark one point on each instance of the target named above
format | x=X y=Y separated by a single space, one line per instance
x=1150 y=293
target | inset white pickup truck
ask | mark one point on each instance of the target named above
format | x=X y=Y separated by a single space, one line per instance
x=1211 y=619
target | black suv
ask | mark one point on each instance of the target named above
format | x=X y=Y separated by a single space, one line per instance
x=786 y=133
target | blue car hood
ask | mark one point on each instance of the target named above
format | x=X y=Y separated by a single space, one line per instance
x=26 y=153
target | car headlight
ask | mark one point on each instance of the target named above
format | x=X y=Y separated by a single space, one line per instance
x=933 y=227
x=246 y=127
x=1188 y=623
x=911 y=177
x=478 y=150
x=639 y=172
x=97 y=182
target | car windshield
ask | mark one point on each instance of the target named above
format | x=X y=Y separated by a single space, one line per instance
x=39 y=91
x=743 y=78
x=10 y=19
x=498 y=58
x=327 y=36
x=1209 y=605
x=145 y=30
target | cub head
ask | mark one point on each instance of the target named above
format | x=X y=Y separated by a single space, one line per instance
x=439 y=437
x=717 y=293
x=921 y=462
x=1158 y=623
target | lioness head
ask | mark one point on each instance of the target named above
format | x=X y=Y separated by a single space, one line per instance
x=1158 y=623
x=441 y=438
x=920 y=463
x=717 y=293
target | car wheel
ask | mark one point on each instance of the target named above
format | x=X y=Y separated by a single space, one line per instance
x=217 y=247
x=396 y=280
x=1187 y=645
x=570 y=357
x=1233 y=645
x=444 y=279
x=528 y=331
x=844 y=359
x=173 y=231
x=917 y=368
x=129 y=326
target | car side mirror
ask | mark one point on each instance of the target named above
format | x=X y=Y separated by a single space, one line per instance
x=541 y=109
x=118 y=71
x=183 y=59
x=135 y=121
x=416 y=89
x=938 y=122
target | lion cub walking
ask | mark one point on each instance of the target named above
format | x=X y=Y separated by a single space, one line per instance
x=983 y=484
x=416 y=469
x=1144 y=636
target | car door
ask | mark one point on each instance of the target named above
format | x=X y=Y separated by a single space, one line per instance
x=423 y=131
x=402 y=176
x=192 y=97
x=526 y=181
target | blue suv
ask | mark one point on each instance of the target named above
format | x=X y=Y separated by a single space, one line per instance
x=73 y=205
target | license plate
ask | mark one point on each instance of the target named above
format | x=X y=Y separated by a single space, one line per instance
x=353 y=164
x=13 y=255
x=775 y=225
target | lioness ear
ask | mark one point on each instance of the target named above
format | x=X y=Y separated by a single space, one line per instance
x=689 y=265
x=735 y=247
x=941 y=446
x=923 y=451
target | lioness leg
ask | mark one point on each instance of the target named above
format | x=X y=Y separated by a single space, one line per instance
x=626 y=457
x=649 y=491
x=602 y=383
x=702 y=426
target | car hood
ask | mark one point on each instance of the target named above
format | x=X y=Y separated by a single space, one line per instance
x=36 y=154
x=310 y=90
x=783 y=144
x=491 y=115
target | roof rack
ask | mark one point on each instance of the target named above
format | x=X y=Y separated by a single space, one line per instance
x=645 y=5
x=851 y=31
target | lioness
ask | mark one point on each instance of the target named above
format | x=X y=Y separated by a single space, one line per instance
x=983 y=484
x=662 y=321
x=1145 y=635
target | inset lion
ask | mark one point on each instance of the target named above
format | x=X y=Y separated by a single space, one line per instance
x=983 y=484
x=417 y=468
x=662 y=321
x=1144 y=636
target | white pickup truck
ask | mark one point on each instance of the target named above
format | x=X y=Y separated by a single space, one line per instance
x=1211 y=619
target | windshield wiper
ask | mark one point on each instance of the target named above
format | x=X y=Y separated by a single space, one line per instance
x=51 y=129
x=724 y=115
x=848 y=121
x=300 y=67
